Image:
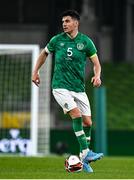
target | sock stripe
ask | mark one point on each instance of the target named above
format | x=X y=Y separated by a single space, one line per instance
x=79 y=133
x=88 y=138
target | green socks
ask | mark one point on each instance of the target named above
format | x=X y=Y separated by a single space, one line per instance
x=78 y=130
x=87 y=131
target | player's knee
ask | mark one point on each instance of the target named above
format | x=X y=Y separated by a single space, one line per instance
x=75 y=113
x=87 y=121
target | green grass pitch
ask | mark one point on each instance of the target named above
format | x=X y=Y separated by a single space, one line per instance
x=53 y=168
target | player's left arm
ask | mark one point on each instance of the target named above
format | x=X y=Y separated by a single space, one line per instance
x=96 y=79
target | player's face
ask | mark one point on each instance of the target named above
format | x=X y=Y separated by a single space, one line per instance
x=69 y=24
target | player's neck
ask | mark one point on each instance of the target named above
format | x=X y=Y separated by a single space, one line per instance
x=73 y=34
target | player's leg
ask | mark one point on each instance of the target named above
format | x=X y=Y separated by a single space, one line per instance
x=84 y=106
x=66 y=101
x=75 y=114
x=87 y=127
x=81 y=137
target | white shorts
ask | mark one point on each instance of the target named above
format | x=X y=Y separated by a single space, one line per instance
x=69 y=100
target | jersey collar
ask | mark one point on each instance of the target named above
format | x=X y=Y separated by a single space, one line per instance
x=73 y=37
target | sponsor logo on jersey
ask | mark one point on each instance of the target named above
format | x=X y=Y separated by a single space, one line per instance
x=61 y=44
x=80 y=46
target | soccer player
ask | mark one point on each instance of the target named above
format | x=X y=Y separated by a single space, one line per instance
x=71 y=49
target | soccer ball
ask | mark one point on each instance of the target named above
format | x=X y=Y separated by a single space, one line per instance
x=73 y=164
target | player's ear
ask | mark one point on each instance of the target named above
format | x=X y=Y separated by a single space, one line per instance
x=77 y=23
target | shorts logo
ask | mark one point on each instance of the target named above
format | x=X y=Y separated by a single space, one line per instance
x=80 y=46
x=66 y=105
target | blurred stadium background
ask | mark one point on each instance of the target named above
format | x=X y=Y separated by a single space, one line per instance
x=111 y=26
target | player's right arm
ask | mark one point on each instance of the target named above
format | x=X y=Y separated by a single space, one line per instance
x=50 y=48
x=40 y=61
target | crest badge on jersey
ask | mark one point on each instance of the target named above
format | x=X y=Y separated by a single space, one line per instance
x=80 y=46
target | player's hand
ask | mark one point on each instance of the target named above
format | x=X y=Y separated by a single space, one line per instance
x=96 y=81
x=36 y=79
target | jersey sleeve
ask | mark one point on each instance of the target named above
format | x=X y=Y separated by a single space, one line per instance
x=91 y=49
x=50 y=47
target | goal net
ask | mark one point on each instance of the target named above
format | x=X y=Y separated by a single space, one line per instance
x=24 y=108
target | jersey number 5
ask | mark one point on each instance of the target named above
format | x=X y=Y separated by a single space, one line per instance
x=69 y=52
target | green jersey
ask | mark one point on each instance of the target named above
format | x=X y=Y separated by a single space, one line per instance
x=70 y=60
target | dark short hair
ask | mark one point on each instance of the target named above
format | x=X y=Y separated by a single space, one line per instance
x=74 y=14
